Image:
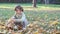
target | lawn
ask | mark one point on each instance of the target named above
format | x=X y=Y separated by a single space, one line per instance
x=30 y=7
x=39 y=14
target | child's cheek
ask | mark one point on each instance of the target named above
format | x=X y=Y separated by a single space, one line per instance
x=17 y=12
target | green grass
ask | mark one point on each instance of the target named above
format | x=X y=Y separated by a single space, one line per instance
x=31 y=15
x=27 y=5
x=39 y=12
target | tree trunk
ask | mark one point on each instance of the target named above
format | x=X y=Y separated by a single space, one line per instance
x=46 y=1
x=34 y=3
x=9 y=0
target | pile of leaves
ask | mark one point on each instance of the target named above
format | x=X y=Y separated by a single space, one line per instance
x=42 y=28
x=36 y=27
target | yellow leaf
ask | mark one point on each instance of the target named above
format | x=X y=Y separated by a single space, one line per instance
x=36 y=32
x=54 y=22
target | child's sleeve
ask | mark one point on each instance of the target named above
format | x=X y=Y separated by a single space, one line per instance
x=16 y=20
x=25 y=20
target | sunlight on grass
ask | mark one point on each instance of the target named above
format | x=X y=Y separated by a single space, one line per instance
x=31 y=8
x=4 y=7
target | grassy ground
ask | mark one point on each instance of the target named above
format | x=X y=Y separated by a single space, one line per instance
x=41 y=9
x=42 y=14
x=29 y=6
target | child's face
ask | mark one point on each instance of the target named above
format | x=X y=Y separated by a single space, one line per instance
x=18 y=11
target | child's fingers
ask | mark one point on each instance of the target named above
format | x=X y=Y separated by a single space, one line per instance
x=11 y=21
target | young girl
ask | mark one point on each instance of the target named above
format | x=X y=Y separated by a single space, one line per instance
x=18 y=19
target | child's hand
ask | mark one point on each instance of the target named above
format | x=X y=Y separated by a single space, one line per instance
x=11 y=20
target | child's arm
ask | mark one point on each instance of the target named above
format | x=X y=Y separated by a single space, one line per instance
x=23 y=19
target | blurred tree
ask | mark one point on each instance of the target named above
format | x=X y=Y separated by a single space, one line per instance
x=34 y=3
x=42 y=1
x=46 y=1
x=30 y=1
x=9 y=0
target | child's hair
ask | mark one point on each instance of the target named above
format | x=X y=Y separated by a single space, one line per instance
x=18 y=7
